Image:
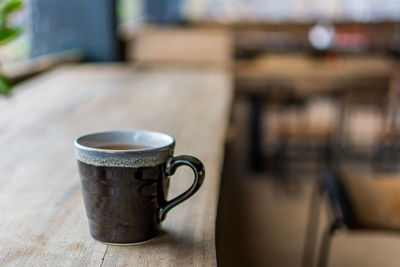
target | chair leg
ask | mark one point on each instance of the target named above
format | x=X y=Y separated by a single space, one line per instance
x=326 y=243
x=328 y=155
x=312 y=227
x=280 y=162
x=255 y=134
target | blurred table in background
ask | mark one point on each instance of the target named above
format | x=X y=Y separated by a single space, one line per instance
x=43 y=220
x=302 y=74
x=196 y=45
x=292 y=77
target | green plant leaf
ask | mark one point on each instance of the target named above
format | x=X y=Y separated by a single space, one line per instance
x=11 y=6
x=5 y=86
x=8 y=34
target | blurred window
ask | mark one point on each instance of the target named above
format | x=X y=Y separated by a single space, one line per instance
x=291 y=10
x=130 y=15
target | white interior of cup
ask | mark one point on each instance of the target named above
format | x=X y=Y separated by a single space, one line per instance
x=148 y=139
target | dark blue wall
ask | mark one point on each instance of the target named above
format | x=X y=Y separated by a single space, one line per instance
x=90 y=25
x=163 y=11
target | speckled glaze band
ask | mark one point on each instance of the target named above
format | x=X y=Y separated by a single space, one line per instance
x=160 y=147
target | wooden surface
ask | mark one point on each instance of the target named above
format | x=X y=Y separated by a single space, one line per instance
x=43 y=222
x=310 y=75
x=199 y=45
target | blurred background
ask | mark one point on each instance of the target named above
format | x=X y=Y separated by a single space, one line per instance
x=312 y=153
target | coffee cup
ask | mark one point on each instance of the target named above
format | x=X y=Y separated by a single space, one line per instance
x=125 y=179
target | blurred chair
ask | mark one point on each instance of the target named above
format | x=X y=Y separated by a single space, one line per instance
x=361 y=94
x=302 y=135
x=387 y=151
x=358 y=202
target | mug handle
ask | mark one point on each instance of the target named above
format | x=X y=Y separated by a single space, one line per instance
x=171 y=166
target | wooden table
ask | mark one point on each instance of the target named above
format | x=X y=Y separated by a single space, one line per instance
x=305 y=75
x=280 y=76
x=43 y=222
x=195 y=45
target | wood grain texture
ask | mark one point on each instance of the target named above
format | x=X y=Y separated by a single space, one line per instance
x=43 y=220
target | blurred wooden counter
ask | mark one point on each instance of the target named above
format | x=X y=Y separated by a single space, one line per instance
x=43 y=222
x=303 y=74
x=194 y=45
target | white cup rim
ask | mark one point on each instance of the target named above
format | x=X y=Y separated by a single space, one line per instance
x=152 y=140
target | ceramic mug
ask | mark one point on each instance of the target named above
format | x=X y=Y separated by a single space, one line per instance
x=125 y=180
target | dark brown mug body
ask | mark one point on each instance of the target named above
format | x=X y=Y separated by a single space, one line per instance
x=122 y=203
x=125 y=191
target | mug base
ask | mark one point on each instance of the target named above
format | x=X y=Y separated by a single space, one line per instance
x=125 y=244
